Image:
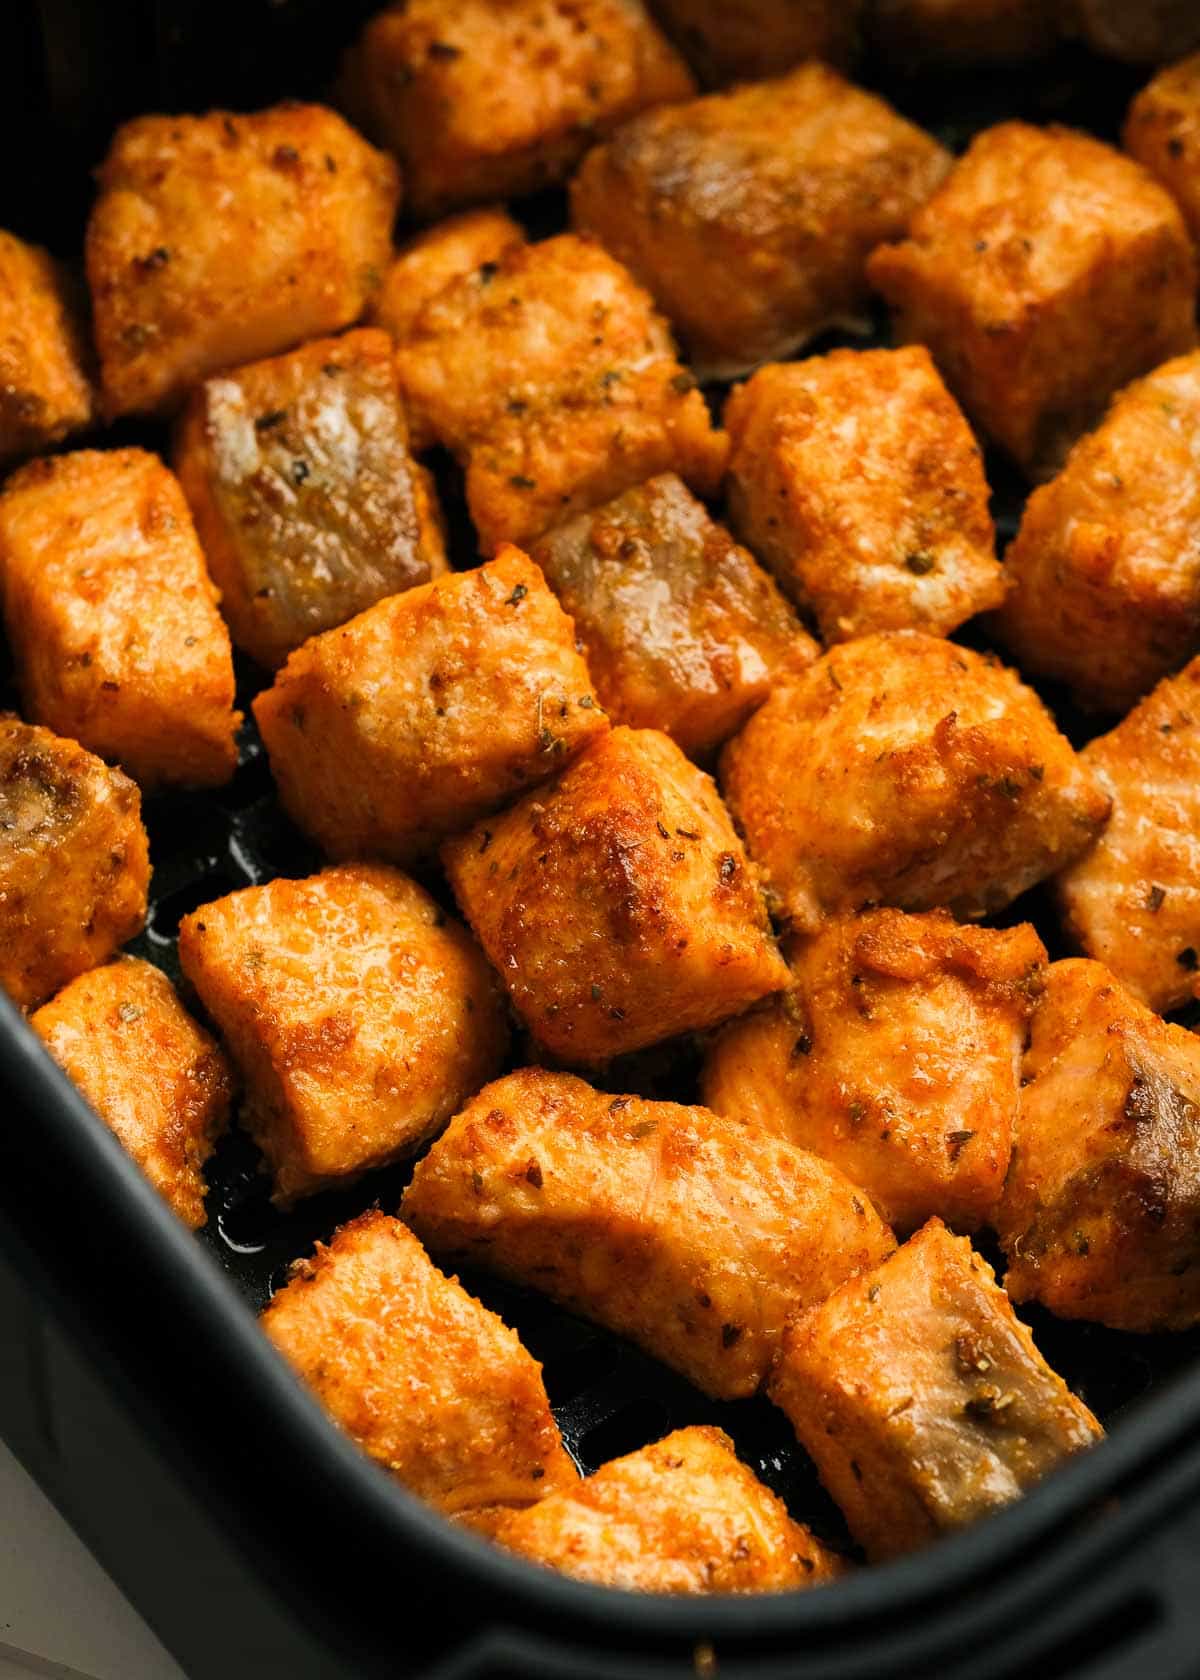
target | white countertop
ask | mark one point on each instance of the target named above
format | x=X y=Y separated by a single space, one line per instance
x=60 y=1614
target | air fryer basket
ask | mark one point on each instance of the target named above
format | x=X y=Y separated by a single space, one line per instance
x=251 y=1534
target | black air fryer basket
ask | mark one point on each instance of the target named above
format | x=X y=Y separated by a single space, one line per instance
x=134 y=1382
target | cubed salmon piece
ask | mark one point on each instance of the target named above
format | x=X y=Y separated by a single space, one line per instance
x=222 y=238
x=553 y=381
x=1104 y=589
x=1047 y=272
x=1162 y=131
x=694 y=1236
x=113 y=617
x=309 y=506
x=428 y=710
x=359 y=1015
x=45 y=391
x=916 y=774
x=74 y=861
x=922 y=1398
x=895 y=1054
x=1101 y=1213
x=682 y=630
x=1133 y=900
x=749 y=215
x=680 y=1516
x=430 y=260
x=924 y=33
x=483 y=99
x=617 y=903
x=437 y=1389
x=855 y=477
x=757 y=38
x=151 y=1072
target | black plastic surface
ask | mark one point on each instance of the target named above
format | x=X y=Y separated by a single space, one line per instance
x=173 y=1436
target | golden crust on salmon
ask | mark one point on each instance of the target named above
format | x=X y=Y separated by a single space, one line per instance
x=617 y=903
x=437 y=1389
x=680 y=1516
x=694 y=1236
x=1102 y=1206
x=360 y=1017
x=149 y=1070
x=895 y=1054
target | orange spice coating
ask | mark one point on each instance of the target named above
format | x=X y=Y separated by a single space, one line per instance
x=221 y=238
x=900 y=769
x=757 y=38
x=45 y=394
x=359 y=1015
x=856 y=479
x=148 y=1069
x=896 y=1055
x=483 y=99
x=922 y=1397
x=617 y=903
x=1047 y=272
x=1162 y=131
x=557 y=386
x=74 y=861
x=428 y=711
x=437 y=1389
x=1133 y=899
x=694 y=1236
x=1102 y=1207
x=1104 y=584
x=680 y=1516
x=682 y=630
x=428 y=263
x=749 y=215
x=113 y=618
x=306 y=499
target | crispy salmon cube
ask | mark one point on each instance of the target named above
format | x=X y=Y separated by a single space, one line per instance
x=113 y=618
x=1162 y=131
x=484 y=99
x=921 y=33
x=1133 y=900
x=682 y=630
x=1104 y=590
x=428 y=710
x=757 y=38
x=74 y=861
x=750 y=215
x=437 y=1389
x=151 y=1072
x=432 y=259
x=1152 y=33
x=617 y=903
x=694 y=1236
x=1101 y=1213
x=857 y=480
x=222 y=238
x=1047 y=272
x=896 y=1055
x=552 y=379
x=922 y=1398
x=360 y=1017
x=918 y=774
x=308 y=504
x=45 y=393
x=680 y=1516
